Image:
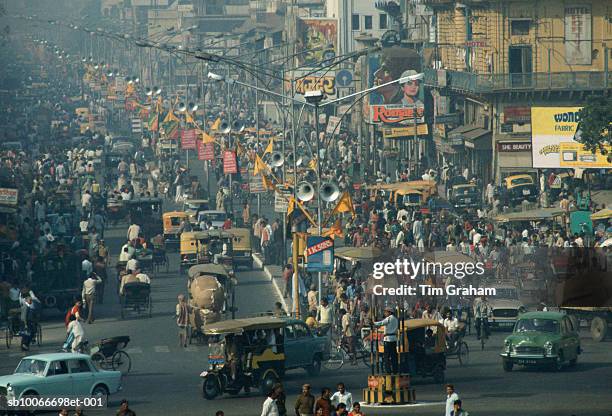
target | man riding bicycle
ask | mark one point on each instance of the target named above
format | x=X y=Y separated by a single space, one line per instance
x=482 y=311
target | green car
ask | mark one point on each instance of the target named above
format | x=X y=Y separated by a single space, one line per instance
x=542 y=338
x=59 y=375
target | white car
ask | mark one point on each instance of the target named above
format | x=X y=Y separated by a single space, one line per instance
x=505 y=307
x=217 y=218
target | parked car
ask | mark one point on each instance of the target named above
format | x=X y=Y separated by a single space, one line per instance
x=542 y=338
x=59 y=375
x=505 y=307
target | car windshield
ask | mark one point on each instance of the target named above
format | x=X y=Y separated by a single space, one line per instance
x=31 y=366
x=214 y=216
x=537 y=325
x=521 y=181
x=506 y=293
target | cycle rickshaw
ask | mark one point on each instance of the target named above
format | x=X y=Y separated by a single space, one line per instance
x=137 y=298
x=108 y=354
x=15 y=326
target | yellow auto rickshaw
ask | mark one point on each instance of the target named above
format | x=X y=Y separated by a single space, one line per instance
x=242 y=252
x=209 y=246
x=244 y=354
x=172 y=223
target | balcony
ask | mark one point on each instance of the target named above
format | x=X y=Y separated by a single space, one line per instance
x=469 y=82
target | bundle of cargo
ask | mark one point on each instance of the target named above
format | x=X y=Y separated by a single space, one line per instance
x=207 y=298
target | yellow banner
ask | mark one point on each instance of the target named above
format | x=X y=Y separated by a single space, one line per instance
x=574 y=155
x=554 y=121
x=397 y=132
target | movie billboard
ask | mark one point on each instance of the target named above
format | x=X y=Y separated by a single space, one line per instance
x=318 y=42
x=395 y=103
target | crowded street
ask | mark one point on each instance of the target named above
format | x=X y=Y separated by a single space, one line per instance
x=248 y=207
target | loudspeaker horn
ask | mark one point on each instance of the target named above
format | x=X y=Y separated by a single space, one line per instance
x=303 y=161
x=224 y=127
x=305 y=191
x=238 y=126
x=57 y=106
x=329 y=192
x=182 y=107
x=277 y=160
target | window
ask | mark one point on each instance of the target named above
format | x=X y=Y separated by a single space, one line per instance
x=289 y=332
x=57 y=368
x=382 y=21
x=355 y=22
x=367 y=22
x=520 y=27
x=78 y=366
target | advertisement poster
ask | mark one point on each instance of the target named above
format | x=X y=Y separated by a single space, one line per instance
x=8 y=196
x=308 y=80
x=549 y=127
x=394 y=103
x=319 y=37
x=578 y=35
x=574 y=155
x=188 y=139
x=319 y=254
x=229 y=162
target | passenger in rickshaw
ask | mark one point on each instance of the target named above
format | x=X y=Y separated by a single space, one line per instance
x=452 y=328
x=127 y=278
x=158 y=242
x=234 y=347
x=217 y=250
x=142 y=277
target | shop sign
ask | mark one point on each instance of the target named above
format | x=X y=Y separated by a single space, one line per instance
x=8 y=196
x=400 y=132
x=514 y=147
x=517 y=114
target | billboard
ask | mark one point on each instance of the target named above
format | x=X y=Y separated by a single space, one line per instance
x=574 y=155
x=549 y=127
x=311 y=80
x=318 y=38
x=394 y=103
x=319 y=254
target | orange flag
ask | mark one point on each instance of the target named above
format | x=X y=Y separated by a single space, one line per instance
x=345 y=204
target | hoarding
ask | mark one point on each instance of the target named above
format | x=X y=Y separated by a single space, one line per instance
x=549 y=127
x=306 y=80
x=394 y=103
x=405 y=132
x=319 y=254
x=230 y=165
x=578 y=34
x=318 y=40
x=574 y=155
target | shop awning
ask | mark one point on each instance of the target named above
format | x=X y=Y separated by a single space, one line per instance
x=478 y=139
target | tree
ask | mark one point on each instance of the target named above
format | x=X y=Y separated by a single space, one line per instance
x=595 y=124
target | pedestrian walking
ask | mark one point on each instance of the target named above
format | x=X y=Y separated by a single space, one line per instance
x=451 y=397
x=182 y=319
x=304 y=405
x=88 y=294
x=342 y=396
x=124 y=409
x=323 y=405
x=280 y=399
x=287 y=277
x=269 y=407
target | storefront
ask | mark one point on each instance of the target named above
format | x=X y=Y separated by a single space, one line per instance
x=513 y=156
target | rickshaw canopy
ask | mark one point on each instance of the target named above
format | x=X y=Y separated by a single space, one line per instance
x=208 y=269
x=239 y=326
x=530 y=215
x=175 y=214
x=603 y=214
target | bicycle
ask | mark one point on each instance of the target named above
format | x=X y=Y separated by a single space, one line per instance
x=482 y=330
x=339 y=354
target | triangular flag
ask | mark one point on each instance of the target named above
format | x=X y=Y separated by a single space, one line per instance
x=170 y=117
x=259 y=166
x=291 y=205
x=189 y=119
x=206 y=138
x=335 y=230
x=216 y=124
x=345 y=204
x=154 y=122
x=313 y=164
x=305 y=212
x=269 y=147
x=268 y=183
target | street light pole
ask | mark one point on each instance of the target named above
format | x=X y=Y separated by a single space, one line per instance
x=319 y=208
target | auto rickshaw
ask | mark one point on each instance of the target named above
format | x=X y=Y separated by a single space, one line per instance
x=421 y=348
x=517 y=188
x=244 y=354
x=242 y=253
x=198 y=247
x=172 y=223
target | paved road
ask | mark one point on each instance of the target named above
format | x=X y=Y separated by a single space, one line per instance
x=164 y=378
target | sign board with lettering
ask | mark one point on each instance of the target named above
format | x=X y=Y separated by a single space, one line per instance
x=574 y=155
x=549 y=127
x=514 y=114
x=514 y=147
x=396 y=113
x=312 y=80
x=281 y=200
x=230 y=164
x=333 y=125
x=256 y=185
x=405 y=132
x=188 y=139
x=9 y=196
x=319 y=254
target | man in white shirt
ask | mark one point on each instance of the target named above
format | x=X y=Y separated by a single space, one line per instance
x=451 y=396
x=88 y=294
x=269 y=407
x=452 y=326
x=390 y=340
x=86 y=200
x=133 y=232
x=342 y=396
x=86 y=267
x=142 y=277
x=131 y=265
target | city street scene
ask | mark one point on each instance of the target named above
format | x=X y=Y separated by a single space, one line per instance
x=306 y=207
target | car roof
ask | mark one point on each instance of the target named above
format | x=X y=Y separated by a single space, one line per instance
x=543 y=315
x=56 y=356
x=211 y=211
x=238 y=326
